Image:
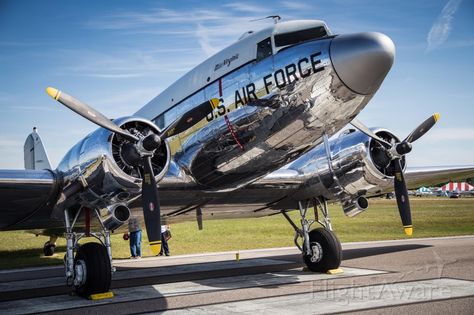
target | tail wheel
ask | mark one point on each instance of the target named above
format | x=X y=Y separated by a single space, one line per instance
x=48 y=249
x=326 y=251
x=93 y=269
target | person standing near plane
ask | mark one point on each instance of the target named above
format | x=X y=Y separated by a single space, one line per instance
x=135 y=237
x=165 y=236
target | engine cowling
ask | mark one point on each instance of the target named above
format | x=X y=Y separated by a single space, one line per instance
x=101 y=159
x=353 y=167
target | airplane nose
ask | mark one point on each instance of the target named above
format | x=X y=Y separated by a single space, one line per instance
x=362 y=60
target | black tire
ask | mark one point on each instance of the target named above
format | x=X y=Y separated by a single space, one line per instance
x=98 y=269
x=331 y=248
x=48 y=249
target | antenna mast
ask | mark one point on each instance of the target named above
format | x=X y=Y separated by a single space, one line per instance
x=275 y=18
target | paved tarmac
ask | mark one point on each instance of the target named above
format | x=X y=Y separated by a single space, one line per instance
x=417 y=276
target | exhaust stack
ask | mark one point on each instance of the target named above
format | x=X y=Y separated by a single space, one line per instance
x=118 y=215
x=355 y=206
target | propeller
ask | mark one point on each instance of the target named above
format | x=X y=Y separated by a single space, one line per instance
x=394 y=153
x=140 y=152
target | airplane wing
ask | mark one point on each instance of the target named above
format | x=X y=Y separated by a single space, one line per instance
x=435 y=175
x=27 y=194
x=291 y=180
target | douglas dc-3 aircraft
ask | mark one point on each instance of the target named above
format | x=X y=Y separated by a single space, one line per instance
x=244 y=134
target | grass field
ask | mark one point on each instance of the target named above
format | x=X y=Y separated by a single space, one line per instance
x=431 y=217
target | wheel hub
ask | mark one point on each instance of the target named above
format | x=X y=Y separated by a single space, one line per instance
x=316 y=252
x=80 y=272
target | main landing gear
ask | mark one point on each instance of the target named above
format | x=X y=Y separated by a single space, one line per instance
x=320 y=247
x=90 y=269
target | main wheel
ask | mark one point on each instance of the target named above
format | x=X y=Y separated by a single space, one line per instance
x=92 y=269
x=48 y=249
x=326 y=251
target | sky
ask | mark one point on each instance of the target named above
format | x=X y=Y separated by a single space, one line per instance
x=118 y=55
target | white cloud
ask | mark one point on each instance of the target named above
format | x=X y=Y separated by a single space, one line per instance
x=210 y=29
x=294 y=5
x=7 y=142
x=450 y=134
x=124 y=64
x=245 y=7
x=441 y=28
x=202 y=34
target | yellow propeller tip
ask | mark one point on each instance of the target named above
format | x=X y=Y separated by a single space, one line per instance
x=155 y=247
x=54 y=93
x=436 y=116
x=408 y=230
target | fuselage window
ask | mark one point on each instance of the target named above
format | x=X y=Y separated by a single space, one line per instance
x=300 y=36
x=264 y=49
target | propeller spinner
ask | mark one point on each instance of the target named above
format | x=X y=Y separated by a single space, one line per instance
x=141 y=149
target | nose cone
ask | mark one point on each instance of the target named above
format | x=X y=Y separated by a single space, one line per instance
x=362 y=60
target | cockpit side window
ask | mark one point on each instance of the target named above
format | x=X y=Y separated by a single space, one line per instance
x=264 y=49
x=296 y=37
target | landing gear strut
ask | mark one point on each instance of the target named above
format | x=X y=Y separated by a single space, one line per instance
x=90 y=270
x=320 y=247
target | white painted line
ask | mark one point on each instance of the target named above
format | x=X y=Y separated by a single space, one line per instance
x=345 y=300
x=175 y=289
x=144 y=273
x=30 y=269
x=403 y=240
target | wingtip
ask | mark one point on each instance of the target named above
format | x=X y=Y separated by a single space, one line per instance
x=54 y=93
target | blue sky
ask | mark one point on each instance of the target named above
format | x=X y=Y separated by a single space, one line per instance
x=117 y=55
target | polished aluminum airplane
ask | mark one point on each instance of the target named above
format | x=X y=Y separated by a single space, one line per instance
x=249 y=132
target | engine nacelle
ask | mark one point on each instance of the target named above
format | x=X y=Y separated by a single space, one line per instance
x=100 y=163
x=352 y=166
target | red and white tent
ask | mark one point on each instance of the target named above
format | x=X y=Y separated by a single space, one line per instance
x=457 y=187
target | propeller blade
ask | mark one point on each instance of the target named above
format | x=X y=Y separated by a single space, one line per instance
x=403 y=202
x=88 y=112
x=151 y=207
x=422 y=128
x=364 y=129
x=190 y=118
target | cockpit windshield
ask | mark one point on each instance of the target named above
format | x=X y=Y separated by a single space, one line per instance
x=292 y=38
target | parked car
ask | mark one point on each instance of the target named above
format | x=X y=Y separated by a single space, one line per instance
x=454 y=194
